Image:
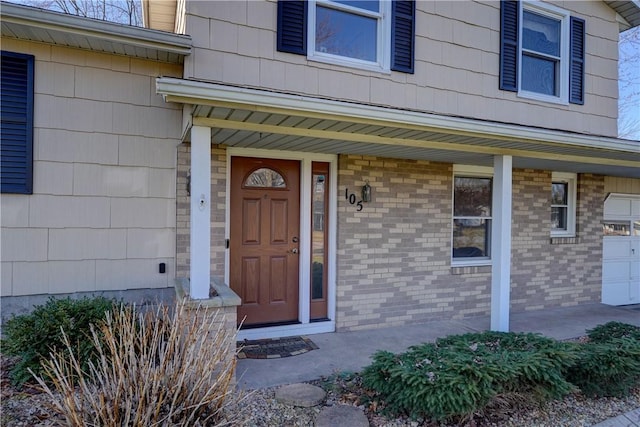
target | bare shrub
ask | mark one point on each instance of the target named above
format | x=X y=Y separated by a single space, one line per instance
x=169 y=367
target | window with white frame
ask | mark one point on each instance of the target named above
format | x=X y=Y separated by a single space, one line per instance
x=472 y=216
x=563 y=204
x=375 y=35
x=352 y=32
x=544 y=51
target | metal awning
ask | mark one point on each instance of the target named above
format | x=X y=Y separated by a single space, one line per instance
x=253 y=118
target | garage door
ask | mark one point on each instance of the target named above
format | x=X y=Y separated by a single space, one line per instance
x=621 y=250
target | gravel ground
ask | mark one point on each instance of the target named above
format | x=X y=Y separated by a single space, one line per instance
x=29 y=407
x=572 y=411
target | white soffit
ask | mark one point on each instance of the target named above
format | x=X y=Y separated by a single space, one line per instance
x=252 y=118
x=629 y=10
x=39 y=25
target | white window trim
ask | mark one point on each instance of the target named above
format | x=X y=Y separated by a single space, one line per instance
x=383 y=37
x=571 y=180
x=473 y=172
x=565 y=18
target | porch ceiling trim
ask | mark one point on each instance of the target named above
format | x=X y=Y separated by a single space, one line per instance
x=242 y=113
x=373 y=139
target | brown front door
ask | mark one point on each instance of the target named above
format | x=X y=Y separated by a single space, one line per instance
x=264 y=239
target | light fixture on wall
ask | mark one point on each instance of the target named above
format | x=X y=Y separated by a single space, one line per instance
x=366 y=192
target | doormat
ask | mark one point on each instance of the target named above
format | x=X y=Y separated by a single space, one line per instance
x=274 y=348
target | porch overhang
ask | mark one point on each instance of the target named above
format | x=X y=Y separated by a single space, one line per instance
x=253 y=118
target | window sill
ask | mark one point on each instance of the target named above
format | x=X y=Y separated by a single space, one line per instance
x=364 y=66
x=458 y=270
x=543 y=98
x=564 y=240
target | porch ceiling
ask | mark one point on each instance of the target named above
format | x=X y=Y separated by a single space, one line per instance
x=250 y=118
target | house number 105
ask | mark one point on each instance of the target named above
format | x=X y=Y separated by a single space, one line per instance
x=352 y=199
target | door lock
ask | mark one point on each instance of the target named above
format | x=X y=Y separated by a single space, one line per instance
x=294 y=239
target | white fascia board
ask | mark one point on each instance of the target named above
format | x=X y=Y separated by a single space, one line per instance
x=180 y=90
x=93 y=28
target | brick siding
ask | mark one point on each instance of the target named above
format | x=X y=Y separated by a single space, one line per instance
x=394 y=256
x=554 y=272
x=183 y=224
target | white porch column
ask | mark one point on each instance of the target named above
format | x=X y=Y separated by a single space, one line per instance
x=200 y=267
x=501 y=241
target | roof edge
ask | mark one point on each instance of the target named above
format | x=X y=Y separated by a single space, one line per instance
x=119 y=33
x=191 y=91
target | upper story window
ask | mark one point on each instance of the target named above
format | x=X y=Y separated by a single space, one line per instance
x=351 y=33
x=541 y=52
x=367 y=34
x=563 y=204
x=16 y=118
x=472 y=215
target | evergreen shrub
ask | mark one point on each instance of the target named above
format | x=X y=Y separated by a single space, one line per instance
x=609 y=364
x=34 y=336
x=462 y=374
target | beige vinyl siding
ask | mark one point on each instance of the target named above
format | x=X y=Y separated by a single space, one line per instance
x=456 y=69
x=102 y=213
x=613 y=184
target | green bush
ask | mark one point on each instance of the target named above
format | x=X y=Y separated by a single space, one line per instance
x=608 y=331
x=608 y=365
x=607 y=369
x=459 y=375
x=33 y=336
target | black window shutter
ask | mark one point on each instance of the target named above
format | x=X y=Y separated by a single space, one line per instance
x=576 y=64
x=403 y=35
x=16 y=123
x=509 y=45
x=292 y=26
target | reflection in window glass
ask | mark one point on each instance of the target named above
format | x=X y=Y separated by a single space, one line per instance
x=559 y=205
x=636 y=228
x=616 y=228
x=318 y=210
x=541 y=43
x=541 y=33
x=541 y=75
x=472 y=197
x=346 y=34
x=471 y=217
x=372 y=5
x=265 y=177
x=471 y=238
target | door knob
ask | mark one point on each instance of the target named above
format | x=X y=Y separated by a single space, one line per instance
x=294 y=251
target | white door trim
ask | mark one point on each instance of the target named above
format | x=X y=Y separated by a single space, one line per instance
x=305 y=326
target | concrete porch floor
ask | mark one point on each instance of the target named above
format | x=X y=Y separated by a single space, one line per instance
x=351 y=351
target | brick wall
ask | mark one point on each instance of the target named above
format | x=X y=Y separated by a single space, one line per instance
x=218 y=195
x=394 y=256
x=393 y=263
x=554 y=272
